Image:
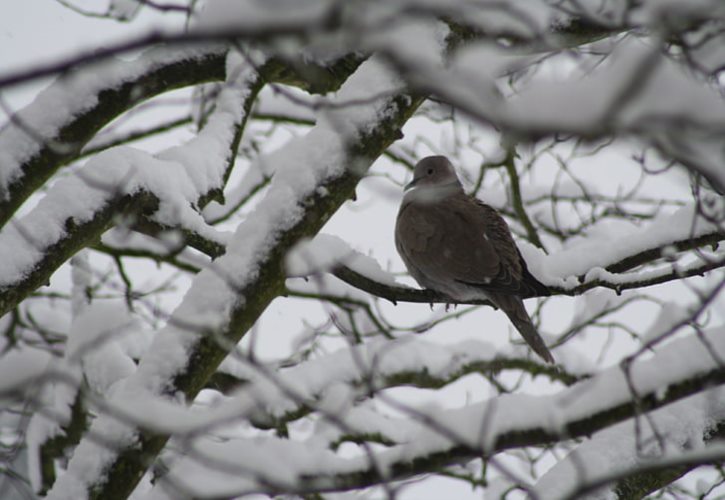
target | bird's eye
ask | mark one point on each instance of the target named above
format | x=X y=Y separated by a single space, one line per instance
x=430 y=171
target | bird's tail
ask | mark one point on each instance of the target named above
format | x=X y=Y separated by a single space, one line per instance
x=514 y=308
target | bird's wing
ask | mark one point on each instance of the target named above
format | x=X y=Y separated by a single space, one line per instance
x=496 y=233
x=462 y=240
x=514 y=276
x=449 y=242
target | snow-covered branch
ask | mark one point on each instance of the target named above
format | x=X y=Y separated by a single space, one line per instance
x=74 y=228
x=673 y=440
x=373 y=366
x=424 y=441
x=54 y=128
x=612 y=275
x=35 y=143
x=205 y=326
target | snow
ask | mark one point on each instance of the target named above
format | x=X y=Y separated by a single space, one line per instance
x=357 y=110
x=279 y=104
x=598 y=252
x=108 y=175
x=663 y=91
x=585 y=257
x=593 y=304
x=709 y=52
x=206 y=156
x=637 y=90
x=258 y=173
x=486 y=56
x=233 y=15
x=302 y=166
x=378 y=358
x=276 y=461
x=524 y=18
x=619 y=448
x=326 y=381
x=656 y=12
x=178 y=177
x=326 y=252
x=671 y=315
x=330 y=383
x=67 y=98
x=131 y=170
x=20 y=366
x=476 y=425
x=96 y=342
x=417 y=40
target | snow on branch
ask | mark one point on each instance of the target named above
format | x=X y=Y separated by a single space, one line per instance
x=77 y=209
x=275 y=397
x=637 y=89
x=271 y=397
x=677 y=434
x=306 y=182
x=595 y=262
x=53 y=129
x=221 y=22
x=317 y=173
x=590 y=264
x=424 y=440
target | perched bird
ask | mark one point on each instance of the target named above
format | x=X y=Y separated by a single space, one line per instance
x=457 y=245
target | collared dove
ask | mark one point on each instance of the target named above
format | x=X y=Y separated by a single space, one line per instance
x=457 y=245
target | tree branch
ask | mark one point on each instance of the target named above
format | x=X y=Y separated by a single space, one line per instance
x=517 y=201
x=487 y=428
x=82 y=125
x=397 y=294
x=140 y=205
x=643 y=479
x=569 y=429
x=128 y=463
x=198 y=66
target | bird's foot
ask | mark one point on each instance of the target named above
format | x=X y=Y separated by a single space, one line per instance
x=451 y=304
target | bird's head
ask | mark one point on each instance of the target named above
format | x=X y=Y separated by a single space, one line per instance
x=434 y=172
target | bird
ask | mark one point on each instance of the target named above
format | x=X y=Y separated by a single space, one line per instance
x=456 y=245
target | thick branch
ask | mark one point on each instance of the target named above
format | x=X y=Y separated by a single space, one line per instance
x=423 y=442
x=381 y=379
x=207 y=351
x=198 y=67
x=541 y=436
x=111 y=102
x=77 y=236
x=54 y=448
x=404 y=294
x=641 y=480
x=397 y=294
x=140 y=205
x=571 y=33
x=646 y=256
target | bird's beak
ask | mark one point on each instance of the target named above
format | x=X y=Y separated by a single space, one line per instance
x=411 y=184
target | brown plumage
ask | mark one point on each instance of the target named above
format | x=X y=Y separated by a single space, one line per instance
x=455 y=244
